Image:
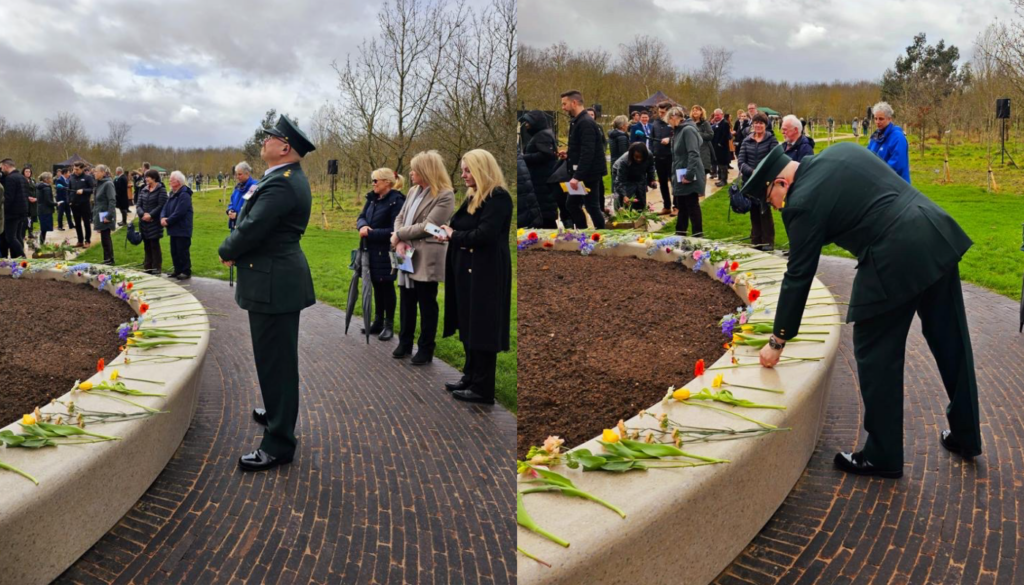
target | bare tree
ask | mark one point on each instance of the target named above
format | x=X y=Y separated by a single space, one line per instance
x=68 y=131
x=1006 y=46
x=714 y=71
x=118 y=137
x=647 y=59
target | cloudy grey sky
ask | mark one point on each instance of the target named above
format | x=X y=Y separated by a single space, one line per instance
x=801 y=40
x=183 y=72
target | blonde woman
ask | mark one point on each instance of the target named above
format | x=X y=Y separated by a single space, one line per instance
x=478 y=293
x=430 y=201
x=376 y=223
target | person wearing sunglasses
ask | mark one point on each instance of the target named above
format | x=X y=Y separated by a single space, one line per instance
x=908 y=250
x=274 y=285
x=376 y=223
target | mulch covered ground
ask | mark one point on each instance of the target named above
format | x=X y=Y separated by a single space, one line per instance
x=602 y=338
x=51 y=334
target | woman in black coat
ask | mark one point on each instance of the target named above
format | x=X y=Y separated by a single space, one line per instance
x=632 y=175
x=541 y=156
x=757 y=145
x=45 y=205
x=618 y=140
x=527 y=210
x=148 y=205
x=478 y=276
x=375 y=224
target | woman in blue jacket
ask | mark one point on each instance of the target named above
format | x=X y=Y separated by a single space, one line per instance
x=889 y=142
x=176 y=216
x=376 y=223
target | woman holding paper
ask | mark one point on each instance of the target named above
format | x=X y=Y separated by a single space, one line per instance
x=104 y=210
x=755 y=147
x=688 y=176
x=478 y=270
x=429 y=203
x=375 y=224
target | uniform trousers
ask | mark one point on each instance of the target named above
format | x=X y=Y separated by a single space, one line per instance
x=275 y=347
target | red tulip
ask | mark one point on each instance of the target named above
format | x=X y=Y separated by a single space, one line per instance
x=698 y=370
x=100 y=365
x=753 y=294
x=595 y=237
x=532 y=235
x=734 y=266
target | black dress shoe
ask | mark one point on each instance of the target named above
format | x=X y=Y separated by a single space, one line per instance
x=857 y=464
x=422 y=357
x=462 y=384
x=260 y=415
x=470 y=396
x=259 y=460
x=184 y=276
x=401 y=351
x=953 y=446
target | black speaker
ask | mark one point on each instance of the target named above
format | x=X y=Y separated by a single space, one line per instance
x=1003 y=108
x=332 y=167
x=870 y=116
x=597 y=111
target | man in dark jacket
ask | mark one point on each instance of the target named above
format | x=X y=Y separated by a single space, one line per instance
x=176 y=216
x=602 y=146
x=63 y=197
x=274 y=286
x=541 y=157
x=121 y=193
x=16 y=194
x=661 y=148
x=528 y=211
x=720 y=138
x=586 y=162
x=797 y=146
x=908 y=250
x=81 y=188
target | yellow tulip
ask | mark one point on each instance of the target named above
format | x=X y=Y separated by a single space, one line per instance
x=681 y=394
x=131 y=341
x=553 y=235
x=520 y=232
x=113 y=374
x=609 y=436
x=735 y=338
x=85 y=386
x=28 y=419
x=138 y=334
x=717 y=383
x=747 y=328
x=640 y=240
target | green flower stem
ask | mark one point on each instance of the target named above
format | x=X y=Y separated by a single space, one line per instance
x=681 y=464
x=125 y=400
x=119 y=377
x=531 y=557
x=576 y=492
x=19 y=472
x=753 y=388
x=523 y=519
x=757 y=422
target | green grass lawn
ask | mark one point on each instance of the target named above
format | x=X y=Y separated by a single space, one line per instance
x=328 y=254
x=992 y=220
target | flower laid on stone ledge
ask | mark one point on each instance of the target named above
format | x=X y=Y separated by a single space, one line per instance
x=19 y=472
x=698 y=368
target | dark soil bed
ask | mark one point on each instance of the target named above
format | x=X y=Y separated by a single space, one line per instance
x=602 y=338
x=51 y=334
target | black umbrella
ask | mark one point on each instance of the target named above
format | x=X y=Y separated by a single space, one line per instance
x=360 y=268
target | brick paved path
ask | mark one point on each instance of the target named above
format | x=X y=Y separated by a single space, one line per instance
x=944 y=521
x=393 y=481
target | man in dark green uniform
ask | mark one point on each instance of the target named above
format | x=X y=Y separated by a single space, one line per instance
x=274 y=285
x=908 y=251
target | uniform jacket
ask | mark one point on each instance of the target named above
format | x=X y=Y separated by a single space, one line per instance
x=428 y=260
x=106 y=201
x=178 y=213
x=890 y=145
x=379 y=214
x=151 y=202
x=903 y=241
x=478 y=284
x=84 y=182
x=273 y=275
x=585 y=155
x=686 y=155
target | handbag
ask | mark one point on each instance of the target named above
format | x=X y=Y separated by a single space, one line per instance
x=132 y=236
x=738 y=203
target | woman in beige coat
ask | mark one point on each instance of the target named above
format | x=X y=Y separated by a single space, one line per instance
x=430 y=201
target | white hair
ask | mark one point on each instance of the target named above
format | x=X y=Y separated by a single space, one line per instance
x=883 y=107
x=244 y=167
x=178 y=176
x=719 y=111
x=794 y=121
x=119 y=170
x=103 y=169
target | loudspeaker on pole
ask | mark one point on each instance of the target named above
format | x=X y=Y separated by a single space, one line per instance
x=332 y=167
x=1003 y=108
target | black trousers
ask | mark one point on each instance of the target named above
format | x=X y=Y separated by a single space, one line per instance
x=275 y=347
x=108 y=247
x=423 y=295
x=479 y=371
x=593 y=202
x=689 y=214
x=663 y=167
x=124 y=214
x=762 y=228
x=723 y=173
x=384 y=300
x=181 y=255
x=13 y=242
x=562 y=199
x=154 y=257
x=83 y=221
x=879 y=345
x=64 y=209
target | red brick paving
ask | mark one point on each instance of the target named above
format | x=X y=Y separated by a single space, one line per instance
x=393 y=482
x=945 y=521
